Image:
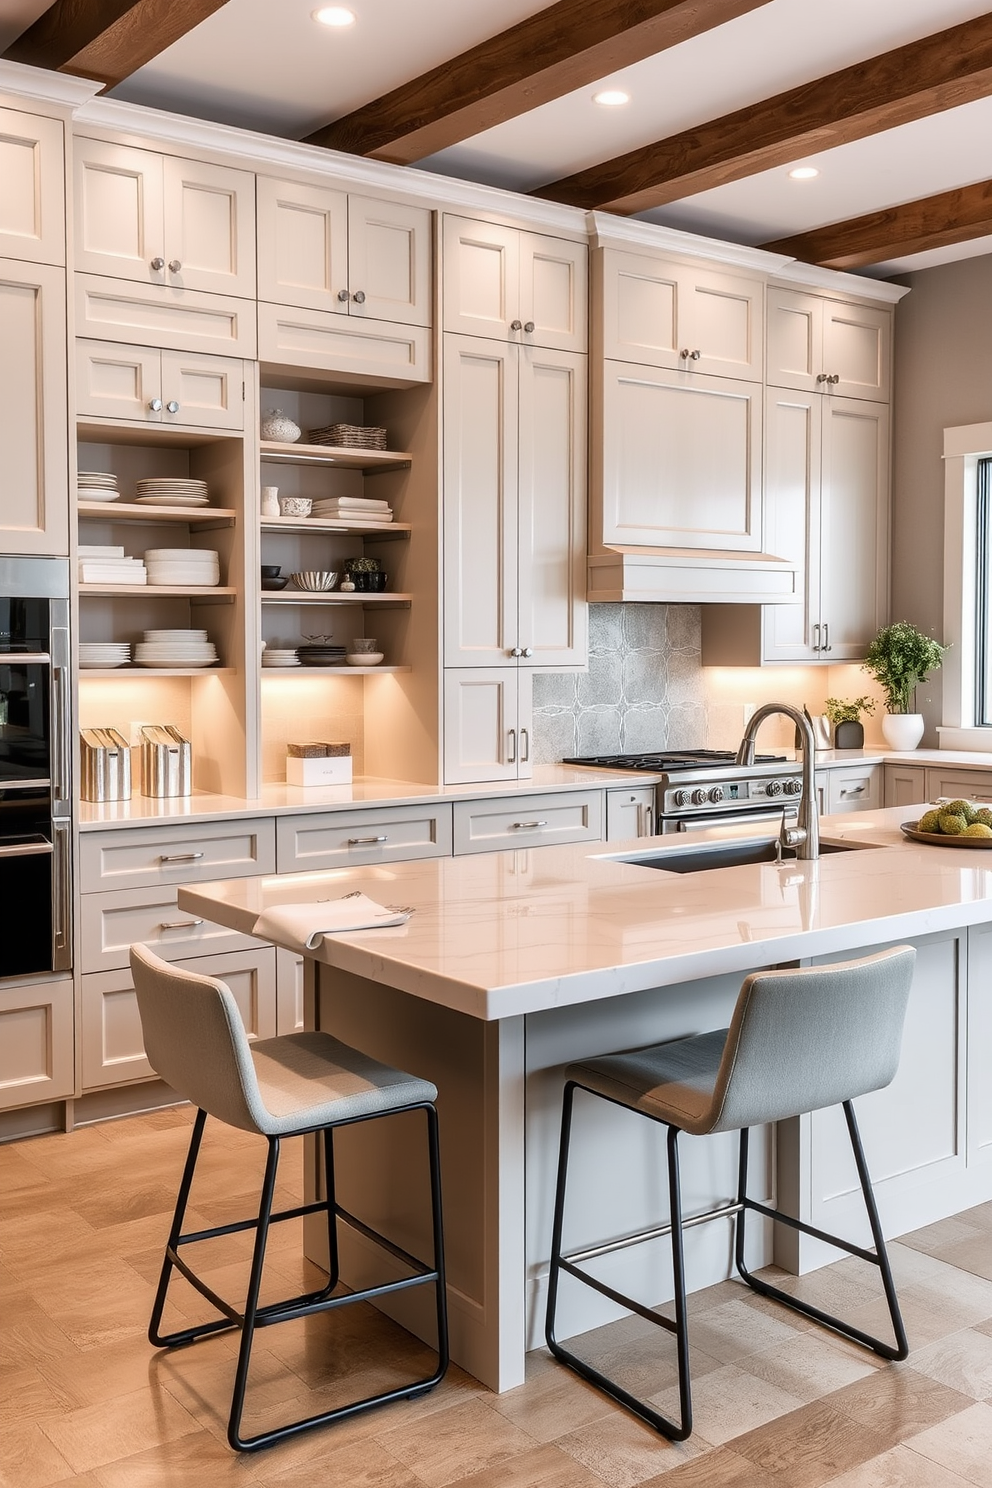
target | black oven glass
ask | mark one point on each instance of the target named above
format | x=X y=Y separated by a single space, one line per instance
x=25 y=883
x=25 y=731
x=24 y=624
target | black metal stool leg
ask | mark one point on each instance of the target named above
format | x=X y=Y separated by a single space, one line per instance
x=441 y=1291
x=251 y=1301
x=172 y=1244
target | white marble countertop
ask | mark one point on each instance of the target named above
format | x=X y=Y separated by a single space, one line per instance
x=500 y=934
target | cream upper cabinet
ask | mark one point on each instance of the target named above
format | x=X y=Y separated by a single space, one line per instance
x=152 y=386
x=487 y=724
x=159 y=219
x=829 y=346
x=512 y=285
x=666 y=314
x=681 y=460
x=514 y=505
x=32 y=200
x=34 y=439
x=322 y=249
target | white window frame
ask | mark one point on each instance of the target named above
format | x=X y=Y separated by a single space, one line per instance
x=964 y=447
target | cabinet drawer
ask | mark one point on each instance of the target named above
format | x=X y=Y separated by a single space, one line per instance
x=111 y=923
x=147 y=315
x=36 y=1043
x=855 y=789
x=112 y=1048
x=527 y=821
x=973 y=785
x=179 y=854
x=341 y=839
x=390 y=354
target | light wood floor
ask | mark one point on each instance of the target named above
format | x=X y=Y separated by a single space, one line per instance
x=85 y=1400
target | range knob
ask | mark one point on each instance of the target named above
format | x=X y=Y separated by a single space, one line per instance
x=793 y=787
x=699 y=796
x=681 y=798
x=716 y=793
x=773 y=788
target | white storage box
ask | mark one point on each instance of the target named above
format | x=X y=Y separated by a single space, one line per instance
x=325 y=770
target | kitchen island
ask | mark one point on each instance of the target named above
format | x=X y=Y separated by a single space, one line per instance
x=515 y=963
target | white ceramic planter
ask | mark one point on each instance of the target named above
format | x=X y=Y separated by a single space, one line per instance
x=902 y=730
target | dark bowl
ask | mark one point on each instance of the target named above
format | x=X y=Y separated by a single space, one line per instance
x=271 y=570
x=274 y=583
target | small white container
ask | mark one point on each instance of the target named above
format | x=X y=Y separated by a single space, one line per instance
x=334 y=769
x=270 y=501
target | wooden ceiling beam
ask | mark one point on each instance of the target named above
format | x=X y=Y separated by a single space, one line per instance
x=107 y=39
x=569 y=45
x=938 y=72
x=956 y=216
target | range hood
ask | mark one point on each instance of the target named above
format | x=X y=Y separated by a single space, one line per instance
x=650 y=575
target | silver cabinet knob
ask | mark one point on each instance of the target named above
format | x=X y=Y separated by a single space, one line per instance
x=684 y=354
x=695 y=355
x=528 y=651
x=158 y=263
x=690 y=356
x=834 y=379
x=529 y=326
x=175 y=266
x=343 y=295
x=359 y=297
x=155 y=405
x=172 y=406
x=515 y=651
x=516 y=325
x=822 y=377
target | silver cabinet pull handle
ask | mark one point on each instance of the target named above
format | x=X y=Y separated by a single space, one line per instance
x=154 y=405
x=179 y=857
x=175 y=266
x=816 y=636
x=157 y=264
x=180 y=924
x=359 y=297
x=524 y=746
x=826 y=636
x=172 y=406
x=856 y=790
x=511 y=758
x=529 y=326
x=343 y=295
x=528 y=826
x=365 y=841
x=516 y=325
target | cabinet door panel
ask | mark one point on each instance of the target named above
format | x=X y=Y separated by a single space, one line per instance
x=302 y=245
x=480 y=501
x=554 y=292
x=32 y=202
x=34 y=509
x=290 y=1011
x=905 y=785
x=792 y=515
x=481 y=727
x=210 y=227
x=481 y=274
x=371 y=351
x=119 y=223
x=794 y=328
x=853 y=520
x=681 y=460
x=389 y=261
x=36 y=1043
x=857 y=349
x=721 y=317
x=630 y=814
x=640 y=309
x=552 y=507
x=209 y=390
x=118 y=381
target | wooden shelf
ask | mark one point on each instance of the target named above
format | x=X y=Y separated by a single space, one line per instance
x=320 y=524
x=340 y=671
x=151 y=671
x=126 y=511
x=335 y=597
x=370 y=461
x=157 y=591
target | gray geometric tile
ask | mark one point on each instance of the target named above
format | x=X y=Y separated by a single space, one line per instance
x=644 y=677
x=645 y=728
x=645 y=627
x=555 y=690
x=685 y=627
x=686 y=726
x=605 y=627
x=598 y=731
x=554 y=737
x=602 y=685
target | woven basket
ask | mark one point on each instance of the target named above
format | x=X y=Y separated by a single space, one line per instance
x=349 y=436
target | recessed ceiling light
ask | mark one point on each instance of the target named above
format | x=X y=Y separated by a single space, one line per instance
x=611 y=97
x=803 y=173
x=334 y=15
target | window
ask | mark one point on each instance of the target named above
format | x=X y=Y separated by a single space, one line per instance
x=967 y=670
x=983 y=587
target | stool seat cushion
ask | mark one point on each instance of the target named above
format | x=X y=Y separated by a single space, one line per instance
x=671 y=1082
x=307 y=1080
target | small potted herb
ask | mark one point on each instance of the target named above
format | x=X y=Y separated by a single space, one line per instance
x=845 y=715
x=899 y=658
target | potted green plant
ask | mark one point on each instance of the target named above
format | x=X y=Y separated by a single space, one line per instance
x=845 y=715
x=899 y=658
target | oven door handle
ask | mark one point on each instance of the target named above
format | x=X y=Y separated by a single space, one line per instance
x=731 y=818
x=62 y=898
x=60 y=733
x=26 y=849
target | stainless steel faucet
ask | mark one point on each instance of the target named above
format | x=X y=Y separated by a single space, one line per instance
x=807 y=831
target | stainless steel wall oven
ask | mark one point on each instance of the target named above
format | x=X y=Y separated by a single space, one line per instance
x=35 y=773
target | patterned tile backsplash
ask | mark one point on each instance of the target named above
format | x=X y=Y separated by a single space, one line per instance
x=644 y=688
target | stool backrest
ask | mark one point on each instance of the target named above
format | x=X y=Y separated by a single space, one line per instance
x=195 y=1039
x=801 y=1040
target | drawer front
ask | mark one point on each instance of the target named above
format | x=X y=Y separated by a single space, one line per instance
x=971 y=786
x=111 y=923
x=113 y=1050
x=854 y=790
x=150 y=315
x=342 y=839
x=392 y=355
x=528 y=821
x=36 y=1043
x=139 y=857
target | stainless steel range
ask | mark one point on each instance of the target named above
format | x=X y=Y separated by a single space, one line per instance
x=708 y=788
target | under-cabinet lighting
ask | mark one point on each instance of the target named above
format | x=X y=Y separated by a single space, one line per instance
x=803 y=173
x=334 y=15
x=611 y=97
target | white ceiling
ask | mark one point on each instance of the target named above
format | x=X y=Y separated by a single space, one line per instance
x=264 y=64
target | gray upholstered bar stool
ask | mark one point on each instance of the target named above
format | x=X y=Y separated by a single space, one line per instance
x=279 y=1087
x=799 y=1041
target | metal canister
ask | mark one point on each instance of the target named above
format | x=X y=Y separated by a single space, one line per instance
x=166 y=761
x=105 y=760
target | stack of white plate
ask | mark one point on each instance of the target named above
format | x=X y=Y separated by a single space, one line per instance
x=175 y=648
x=278 y=656
x=163 y=491
x=104 y=653
x=194 y=568
x=96 y=485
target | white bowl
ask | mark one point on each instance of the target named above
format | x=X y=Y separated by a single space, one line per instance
x=364 y=658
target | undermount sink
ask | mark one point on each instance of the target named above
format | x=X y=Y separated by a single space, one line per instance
x=709 y=855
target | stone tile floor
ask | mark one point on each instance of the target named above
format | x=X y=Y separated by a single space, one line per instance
x=779 y=1403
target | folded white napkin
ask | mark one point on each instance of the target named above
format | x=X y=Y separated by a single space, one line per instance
x=303 y=926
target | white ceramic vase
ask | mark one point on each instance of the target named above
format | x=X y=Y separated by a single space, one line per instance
x=277 y=426
x=902 y=730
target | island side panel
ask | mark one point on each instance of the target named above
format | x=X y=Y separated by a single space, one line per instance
x=382 y=1173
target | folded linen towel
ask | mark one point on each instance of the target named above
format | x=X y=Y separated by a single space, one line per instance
x=303 y=926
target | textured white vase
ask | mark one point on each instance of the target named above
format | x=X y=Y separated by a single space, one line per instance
x=902 y=730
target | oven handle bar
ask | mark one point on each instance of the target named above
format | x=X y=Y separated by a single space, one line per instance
x=62 y=898
x=726 y=818
x=26 y=849
x=24 y=658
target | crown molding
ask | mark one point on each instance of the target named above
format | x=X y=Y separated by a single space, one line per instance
x=45 y=86
x=866 y=288
x=607 y=231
